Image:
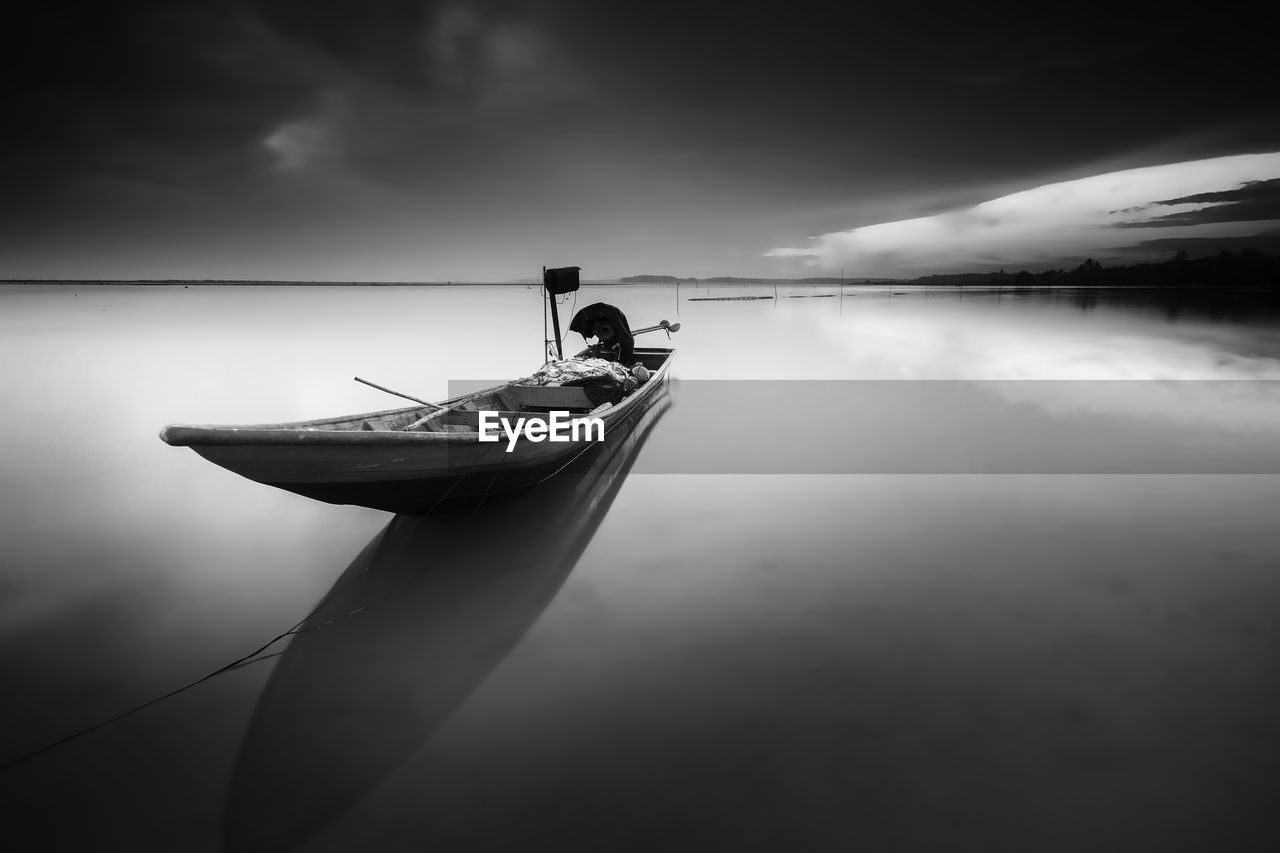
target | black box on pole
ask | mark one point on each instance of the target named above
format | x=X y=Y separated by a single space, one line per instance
x=561 y=280
x=556 y=282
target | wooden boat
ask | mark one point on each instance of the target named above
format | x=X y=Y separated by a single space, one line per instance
x=420 y=459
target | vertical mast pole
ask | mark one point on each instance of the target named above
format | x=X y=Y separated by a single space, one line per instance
x=555 y=315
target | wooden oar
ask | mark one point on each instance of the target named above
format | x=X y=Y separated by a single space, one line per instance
x=444 y=410
x=439 y=409
x=397 y=393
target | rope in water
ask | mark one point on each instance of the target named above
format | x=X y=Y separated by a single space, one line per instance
x=235 y=664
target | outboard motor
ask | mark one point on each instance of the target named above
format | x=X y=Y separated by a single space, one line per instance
x=609 y=327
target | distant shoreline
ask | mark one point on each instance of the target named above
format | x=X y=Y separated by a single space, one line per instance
x=1247 y=268
x=172 y=282
x=914 y=284
x=597 y=283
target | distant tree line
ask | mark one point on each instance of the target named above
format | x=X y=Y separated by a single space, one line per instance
x=1246 y=268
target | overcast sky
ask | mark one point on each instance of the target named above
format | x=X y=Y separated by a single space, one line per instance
x=479 y=141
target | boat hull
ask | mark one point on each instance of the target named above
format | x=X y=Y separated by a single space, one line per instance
x=413 y=473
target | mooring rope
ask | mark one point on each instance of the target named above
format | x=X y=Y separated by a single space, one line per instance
x=245 y=660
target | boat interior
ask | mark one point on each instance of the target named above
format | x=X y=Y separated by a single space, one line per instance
x=511 y=401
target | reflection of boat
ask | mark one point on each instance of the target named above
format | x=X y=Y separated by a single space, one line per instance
x=352 y=700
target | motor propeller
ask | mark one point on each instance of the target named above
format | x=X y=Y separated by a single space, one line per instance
x=664 y=325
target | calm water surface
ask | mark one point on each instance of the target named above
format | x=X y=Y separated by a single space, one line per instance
x=1026 y=598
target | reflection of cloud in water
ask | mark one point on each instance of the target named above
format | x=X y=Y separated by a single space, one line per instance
x=1236 y=405
x=978 y=346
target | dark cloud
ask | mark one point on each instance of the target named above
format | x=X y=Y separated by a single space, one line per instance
x=749 y=85
x=708 y=110
x=1248 y=193
x=1252 y=201
x=122 y=107
x=151 y=91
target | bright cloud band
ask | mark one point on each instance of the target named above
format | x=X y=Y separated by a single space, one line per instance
x=1098 y=216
